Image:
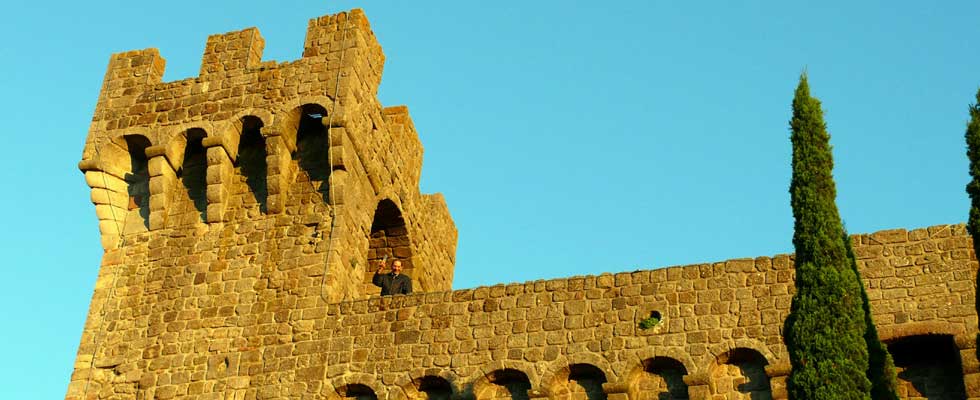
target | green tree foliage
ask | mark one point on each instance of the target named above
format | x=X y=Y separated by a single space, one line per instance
x=824 y=332
x=881 y=366
x=973 y=188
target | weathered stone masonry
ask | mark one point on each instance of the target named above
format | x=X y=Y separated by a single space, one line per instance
x=240 y=210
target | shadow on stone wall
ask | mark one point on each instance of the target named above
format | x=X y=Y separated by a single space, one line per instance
x=138 y=179
x=194 y=172
x=662 y=378
x=928 y=366
x=743 y=371
x=312 y=148
x=251 y=160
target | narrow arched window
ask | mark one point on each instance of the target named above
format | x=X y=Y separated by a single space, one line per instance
x=251 y=162
x=138 y=184
x=312 y=149
x=193 y=172
x=388 y=240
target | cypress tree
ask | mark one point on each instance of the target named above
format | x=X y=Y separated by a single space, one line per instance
x=973 y=188
x=824 y=332
x=881 y=366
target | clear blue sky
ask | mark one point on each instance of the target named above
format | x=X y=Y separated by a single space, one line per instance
x=568 y=137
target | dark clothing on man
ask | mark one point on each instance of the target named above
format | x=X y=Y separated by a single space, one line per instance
x=392 y=284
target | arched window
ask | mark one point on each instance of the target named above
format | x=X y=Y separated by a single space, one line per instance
x=138 y=184
x=311 y=148
x=251 y=162
x=389 y=239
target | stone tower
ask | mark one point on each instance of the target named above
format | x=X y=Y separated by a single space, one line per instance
x=256 y=192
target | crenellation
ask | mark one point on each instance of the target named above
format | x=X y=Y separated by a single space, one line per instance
x=230 y=52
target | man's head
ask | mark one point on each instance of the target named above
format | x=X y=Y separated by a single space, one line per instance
x=396 y=267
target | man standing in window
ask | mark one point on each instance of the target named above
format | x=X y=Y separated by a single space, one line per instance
x=394 y=282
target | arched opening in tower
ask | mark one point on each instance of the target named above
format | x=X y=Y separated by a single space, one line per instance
x=389 y=239
x=928 y=366
x=312 y=146
x=137 y=185
x=193 y=175
x=251 y=162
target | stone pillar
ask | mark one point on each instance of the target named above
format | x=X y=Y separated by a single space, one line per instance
x=111 y=198
x=278 y=159
x=698 y=386
x=338 y=166
x=616 y=391
x=778 y=374
x=967 y=344
x=533 y=393
x=220 y=170
x=163 y=176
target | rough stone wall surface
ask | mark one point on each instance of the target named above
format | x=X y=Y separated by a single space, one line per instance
x=230 y=274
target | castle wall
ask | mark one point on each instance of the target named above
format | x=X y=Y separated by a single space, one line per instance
x=720 y=329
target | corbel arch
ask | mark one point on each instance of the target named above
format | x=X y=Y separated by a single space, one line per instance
x=657 y=376
x=354 y=386
x=720 y=349
x=126 y=178
x=176 y=143
x=741 y=369
x=264 y=115
x=251 y=162
x=192 y=170
x=304 y=127
x=287 y=117
x=117 y=171
x=504 y=379
x=578 y=375
x=558 y=369
x=426 y=384
x=681 y=356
